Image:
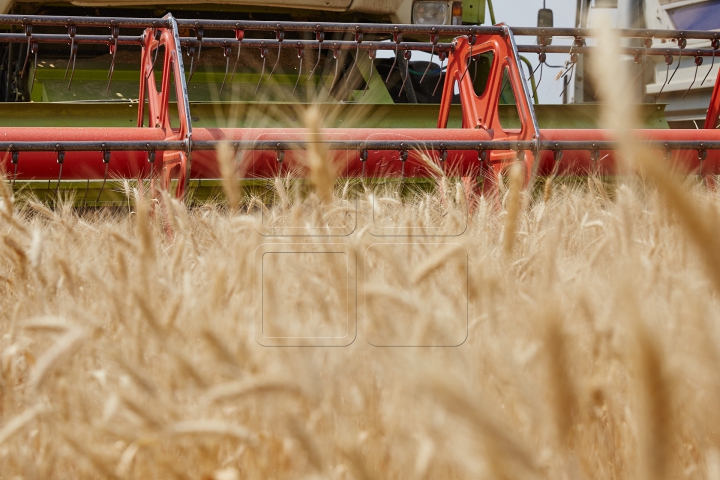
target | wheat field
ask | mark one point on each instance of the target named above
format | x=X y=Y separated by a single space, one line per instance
x=585 y=325
x=569 y=333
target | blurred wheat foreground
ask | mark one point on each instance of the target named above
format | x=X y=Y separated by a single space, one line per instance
x=349 y=331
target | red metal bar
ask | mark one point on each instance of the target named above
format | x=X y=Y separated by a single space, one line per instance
x=263 y=163
x=78 y=165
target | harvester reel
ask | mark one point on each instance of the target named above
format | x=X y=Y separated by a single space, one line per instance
x=482 y=149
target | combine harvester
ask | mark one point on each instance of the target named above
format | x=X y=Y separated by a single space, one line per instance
x=165 y=146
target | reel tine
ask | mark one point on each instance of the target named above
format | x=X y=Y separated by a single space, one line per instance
x=668 y=62
x=113 y=51
x=715 y=45
x=698 y=62
x=358 y=39
x=320 y=37
x=34 y=49
x=73 y=48
x=60 y=160
x=157 y=38
x=192 y=66
x=681 y=44
x=542 y=57
x=371 y=54
x=336 y=54
x=471 y=40
x=397 y=38
x=407 y=56
x=72 y=72
x=642 y=69
x=194 y=63
x=570 y=73
x=280 y=35
x=226 y=54
x=442 y=61
x=263 y=54
x=106 y=160
x=532 y=75
x=14 y=156
x=301 y=55
x=239 y=35
x=28 y=34
x=434 y=40
x=352 y=69
x=156 y=34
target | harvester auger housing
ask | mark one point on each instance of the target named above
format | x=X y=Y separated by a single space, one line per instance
x=159 y=151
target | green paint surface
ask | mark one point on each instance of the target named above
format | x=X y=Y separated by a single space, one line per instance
x=276 y=114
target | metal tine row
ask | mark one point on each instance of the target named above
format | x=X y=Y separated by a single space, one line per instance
x=578 y=44
x=682 y=43
x=32 y=47
x=715 y=44
x=60 y=158
x=280 y=37
x=434 y=38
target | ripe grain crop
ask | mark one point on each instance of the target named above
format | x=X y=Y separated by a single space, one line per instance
x=570 y=334
x=592 y=344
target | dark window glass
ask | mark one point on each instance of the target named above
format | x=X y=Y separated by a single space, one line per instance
x=700 y=16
